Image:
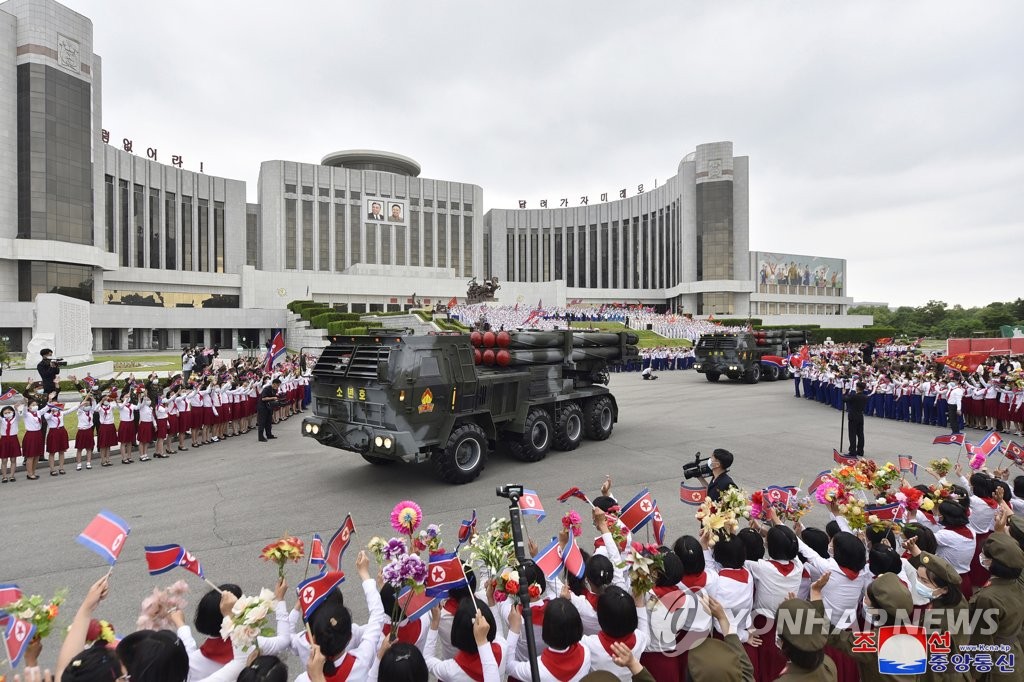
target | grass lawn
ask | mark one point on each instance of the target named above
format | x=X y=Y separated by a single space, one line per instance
x=648 y=339
x=70 y=423
x=166 y=362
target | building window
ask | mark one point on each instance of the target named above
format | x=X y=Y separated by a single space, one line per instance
x=534 y=256
x=289 y=188
x=510 y=250
x=521 y=238
x=371 y=243
x=126 y=207
x=414 y=237
x=204 y=235
x=218 y=236
x=442 y=239
x=252 y=238
x=399 y=245
x=139 y=213
x=454 y=242
x=154 y=228
x=385 y=245
x=570 y=256
x=615 y=254
x=468 y=208
x=467 y=246
x=324 y=234
x=47 y=277
x=323 y=191
x=356 y=233
x=603 y=262
x=290 y=234
x=645 y=252
x=170 y=231
x=428 y=238
x=187 y=259
x=545 y=257
x=592 y=246
x=108 y=188
x=558 y=253
x=339 y=237
x=307 y=189
x=307 y=231
x=714 y=230
x=487 y=255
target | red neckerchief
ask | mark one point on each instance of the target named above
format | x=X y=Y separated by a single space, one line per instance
x=564 y=665
x=471 y=665
x=678 y=598
x=408 y=633
x=343 y=670
x=591 y=598
x=537 y=612
x=963 y=531
x=740 y=575
x=784 y=567
x=849 y=572
x=805 y=573
x=696 y=581
x=607 y=641
x=990 y=502
x=217 y=650
x=450 y=606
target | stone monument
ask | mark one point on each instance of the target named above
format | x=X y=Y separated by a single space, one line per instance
x=63 y=324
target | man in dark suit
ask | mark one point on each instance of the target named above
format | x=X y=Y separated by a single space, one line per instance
x=265 y=411
x=855 y=404
x=48 y=371
x=375 y=212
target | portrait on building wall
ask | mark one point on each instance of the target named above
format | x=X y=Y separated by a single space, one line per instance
x=793 y=270
x=396 y=212
x=375 y=211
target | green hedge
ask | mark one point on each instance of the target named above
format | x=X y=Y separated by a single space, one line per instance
x=795 y=327
x=294 y=305
x=350 y=328
x=321 y=320
x=388 y=313
x=312 y=311
x=852 y=335
x=737 y=322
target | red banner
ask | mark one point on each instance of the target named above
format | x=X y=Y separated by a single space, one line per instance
x=963 y=362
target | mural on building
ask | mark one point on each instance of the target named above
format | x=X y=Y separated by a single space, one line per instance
x=791 y=269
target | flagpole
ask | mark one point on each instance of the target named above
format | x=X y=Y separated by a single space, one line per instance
x=207 y=581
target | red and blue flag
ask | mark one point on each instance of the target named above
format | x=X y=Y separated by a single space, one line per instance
x=529 y=503
x=1015 y=452
x=339 y=543
x=989 y=444
x=573 y=492
x=162 y=558
x=637 y=512
x=692 y=496
x=773 y=360
x=466 y=529
x=18 y=635
x=316 y=551
x=105 y=535
x=907 y=464
x=818 y=480
x=949 y=439
x=572 y=558
x=277 y=350
x=549 y=560
x=445 y=573
x=9 y=593
x=779 y=494
x=884 y=512
x=10 y=393
x=658 y=524
x=314 y=591
x=191 y=564
x=842 y=460
x=413 y=605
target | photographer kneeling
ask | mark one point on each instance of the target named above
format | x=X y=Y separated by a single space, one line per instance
x=719 y=464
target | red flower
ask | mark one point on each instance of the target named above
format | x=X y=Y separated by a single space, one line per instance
x=512 y=587
x=757 y=497
x=534 y=591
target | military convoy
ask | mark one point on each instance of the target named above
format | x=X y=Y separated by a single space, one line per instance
x=748 y=356
x=451 y=398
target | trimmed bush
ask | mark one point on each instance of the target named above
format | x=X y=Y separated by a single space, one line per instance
x=737 y=322
x=797 y=327
x=323 y=319
x=295 y=305
x=312 y=311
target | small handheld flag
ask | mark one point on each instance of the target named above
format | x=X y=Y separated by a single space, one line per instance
x=314 y=591
x=466 y=529
x=574 y=492
x=316 y=551
x=90 y=381
x=413 y=605
x=638 y=512
x=572 y=558
x=191 y=564
x=692 y=496
x=339 y=543
x=105 y=535
x=445 y=573
x=1015 y=452
x=818 y=480
x=842 y=460
x=9 y=593
x=162 y=558
x=18 y=635
x=907 y=464
x=549 y=561
x=658 y=524
x=884 y=512
x=277 y=349
x=529 y=503
x=778 y=494
x=9 y=394
x=989 y=444
x=949 y=439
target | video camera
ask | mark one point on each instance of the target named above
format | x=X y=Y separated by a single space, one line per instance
x=510 y=491
x=59 y=362
x=698 y=467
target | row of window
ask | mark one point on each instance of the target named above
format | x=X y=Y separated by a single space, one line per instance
x=163 y=232
x=639 y=253
x=356 y=195
x=771 y=308
x=331 y=237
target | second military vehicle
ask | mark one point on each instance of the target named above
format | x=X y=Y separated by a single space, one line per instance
x=749 y=356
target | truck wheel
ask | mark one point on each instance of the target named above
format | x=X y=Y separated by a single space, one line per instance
x=463 y=456
x=598 y=418
x=379 y=461
x=753 y=374
x=712 y=376
x=771 y=373
x=569 y=427
x=535 y=442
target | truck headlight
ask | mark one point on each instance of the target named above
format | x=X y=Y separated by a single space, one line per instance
x=378 y=441
x=316 y=429
x=387 y=443
x=309 y=428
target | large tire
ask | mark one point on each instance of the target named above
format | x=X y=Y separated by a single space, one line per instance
x=753 y=375
x=712 y=376
x=534 y=443
x=569 y=427
x=379 y=461
x=598 y=418
x=771 y=373
x=464 y=454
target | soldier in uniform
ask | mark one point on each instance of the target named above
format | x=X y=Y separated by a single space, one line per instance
x=1004 y=597
x=723 y=660
x=803 y=645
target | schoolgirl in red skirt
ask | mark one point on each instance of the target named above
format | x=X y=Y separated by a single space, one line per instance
x=32 y=443
x=184 y=417
x=107 y=434
x=10 y=446
x=146 y=428
x=56 y=436
x=85 y=439
x=126 y=429
x=162 y=420
x=195 y=414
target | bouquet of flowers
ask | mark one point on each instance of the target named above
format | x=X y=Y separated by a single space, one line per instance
x=288 y=548
x=910 y=498
x=100 y=630
x=249 y=619
x=37 y=611
x=830 y=490
x=644 y=564
x=796 y=509
x=571 y=522
x=941 y=467
x=507 y=587
x=376 y=547
x=977 y=461
x=939 y=493
x=885 y=477
x=493 y=548
x=724 y=516
x=428 y=539
x=157 y=607
x=853 y=509
x=404 y=570
x=851 y=477
x=618 y=531
x=757 y=507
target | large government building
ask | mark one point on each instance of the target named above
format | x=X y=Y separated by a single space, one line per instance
x=166 y=254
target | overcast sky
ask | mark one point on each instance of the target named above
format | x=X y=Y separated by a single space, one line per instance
x=889 y=134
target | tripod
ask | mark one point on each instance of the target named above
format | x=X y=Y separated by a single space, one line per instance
x=513 y=493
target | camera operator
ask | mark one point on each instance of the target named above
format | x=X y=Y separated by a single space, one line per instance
x=720 y=462
x=48 y=371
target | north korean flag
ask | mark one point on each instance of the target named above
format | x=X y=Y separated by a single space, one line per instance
x=773 y=360
x=658 y=524
x=17 y=636
x=638 y=512
x=949 y=439
x=314 y=591
x=989 y=444
x=778 y=494
x=9 y=593
x=549 y=560
x=572 y=558
x=907 y=464
x=162 y=558
x=466 y=528
x=573 y=492
x=884 y=512
x=414 y=605
x=190 y=563
x=529 y=503
x=105 y=535
x=9 y=394
x=692 y=496
x=339 y=543
x=316 y=551
x=818 y=480
x=1015 y=452
x=842 y=460
x=445 y=573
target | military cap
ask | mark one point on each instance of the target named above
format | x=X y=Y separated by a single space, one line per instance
x=940 y=567
x=794 y=620
x=1004 y=549
x=890 y=594
x=714 y=660
x=1016 y=526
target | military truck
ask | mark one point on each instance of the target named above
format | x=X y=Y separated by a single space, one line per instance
x=451 y=398
x=748 y=356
